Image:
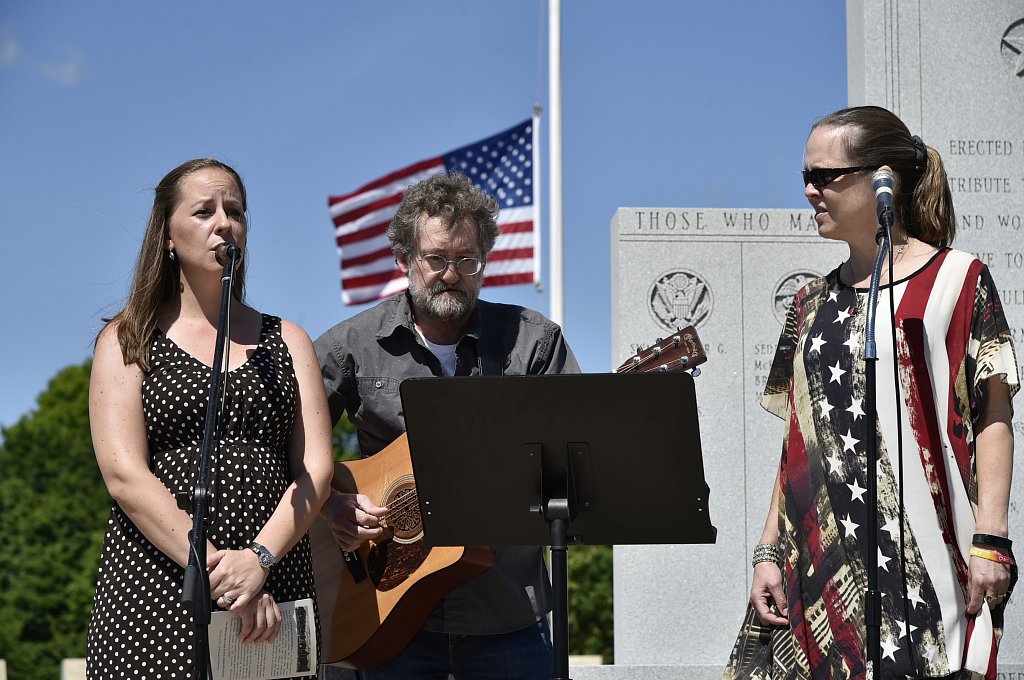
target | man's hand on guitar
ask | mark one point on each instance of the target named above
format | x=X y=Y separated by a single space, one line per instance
x=353 y=518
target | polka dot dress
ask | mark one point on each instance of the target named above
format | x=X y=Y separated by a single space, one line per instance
x=139 y=627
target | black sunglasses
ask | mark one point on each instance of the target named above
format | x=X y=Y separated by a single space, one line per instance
x=821 y=177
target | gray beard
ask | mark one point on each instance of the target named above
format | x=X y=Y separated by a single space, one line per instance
x=440 y=303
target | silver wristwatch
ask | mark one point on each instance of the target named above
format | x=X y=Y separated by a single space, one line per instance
x=266 y=558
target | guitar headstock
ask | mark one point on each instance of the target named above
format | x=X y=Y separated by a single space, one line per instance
x=681 y=351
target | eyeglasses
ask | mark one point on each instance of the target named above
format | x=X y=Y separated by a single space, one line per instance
x=466 y=266
x=822 y=177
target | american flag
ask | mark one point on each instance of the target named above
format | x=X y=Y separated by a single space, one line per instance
x=503 y=166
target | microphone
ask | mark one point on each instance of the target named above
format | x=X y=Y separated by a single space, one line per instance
x=882 y=182
x=226 y=252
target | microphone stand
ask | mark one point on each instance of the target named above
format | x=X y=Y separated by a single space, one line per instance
x=873 y=598
x=195 y=587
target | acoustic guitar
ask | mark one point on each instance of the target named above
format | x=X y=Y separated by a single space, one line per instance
x=374 y=600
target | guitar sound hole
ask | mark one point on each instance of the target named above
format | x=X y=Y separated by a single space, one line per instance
x=403 y=519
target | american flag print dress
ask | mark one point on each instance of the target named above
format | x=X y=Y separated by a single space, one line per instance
x=952 y=337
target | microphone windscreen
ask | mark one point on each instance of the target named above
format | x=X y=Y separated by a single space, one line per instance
x=226 y=251
x=882 y=179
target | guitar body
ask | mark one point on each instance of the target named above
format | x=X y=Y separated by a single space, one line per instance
x=370 y=610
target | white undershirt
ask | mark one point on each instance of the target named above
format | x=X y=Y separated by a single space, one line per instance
x=444 y=353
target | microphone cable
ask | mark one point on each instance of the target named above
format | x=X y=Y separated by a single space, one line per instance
x=900 y=470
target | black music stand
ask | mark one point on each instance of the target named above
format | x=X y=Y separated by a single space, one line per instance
x=558 y=459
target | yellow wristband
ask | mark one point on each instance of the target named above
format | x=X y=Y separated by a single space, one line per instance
x=991 y=555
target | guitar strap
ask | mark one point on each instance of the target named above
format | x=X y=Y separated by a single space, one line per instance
x=491 y=348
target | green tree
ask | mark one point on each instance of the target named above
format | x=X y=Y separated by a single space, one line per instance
x=346 y=444
x=591 y=628
x=53 y=507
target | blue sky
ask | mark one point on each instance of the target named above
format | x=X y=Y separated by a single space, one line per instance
x=665 y=103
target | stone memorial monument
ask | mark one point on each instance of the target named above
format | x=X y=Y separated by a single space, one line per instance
x=954 y=71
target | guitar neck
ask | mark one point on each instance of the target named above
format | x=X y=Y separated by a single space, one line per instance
x=681 y=351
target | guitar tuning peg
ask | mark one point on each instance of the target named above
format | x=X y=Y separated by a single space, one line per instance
x=657 y=341
x=695 y=372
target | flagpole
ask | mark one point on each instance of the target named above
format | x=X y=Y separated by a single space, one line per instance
x=538 y=236
x=555 y=146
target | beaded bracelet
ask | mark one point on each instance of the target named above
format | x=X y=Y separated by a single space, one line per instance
x=991 y=555
x=767 y=552
x=1000 y=542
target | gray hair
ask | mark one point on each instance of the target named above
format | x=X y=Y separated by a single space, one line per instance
x=454 y=199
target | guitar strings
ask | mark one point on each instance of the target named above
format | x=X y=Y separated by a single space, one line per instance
x=401 y=509
x=403 y=505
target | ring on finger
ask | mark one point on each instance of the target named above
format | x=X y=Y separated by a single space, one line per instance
x=230 y=600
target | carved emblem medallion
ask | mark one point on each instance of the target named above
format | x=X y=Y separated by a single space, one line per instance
x=1012 y=47
x=680 y=298
x=785 y=289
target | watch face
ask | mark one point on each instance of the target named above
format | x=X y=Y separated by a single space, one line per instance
x=263 y=555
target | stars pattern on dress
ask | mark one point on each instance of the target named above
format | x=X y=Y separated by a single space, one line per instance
x=889 y=649
x=826 y=407
x=883 y=561
x=816 y=343
x=850 y=527
x=903 y=628
x=856 y=491
x=914 y=595
x=831 y=332
x=893 y=527
x=849 y=442
x=837 y=373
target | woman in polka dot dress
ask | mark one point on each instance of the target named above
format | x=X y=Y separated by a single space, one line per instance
x=147 y=405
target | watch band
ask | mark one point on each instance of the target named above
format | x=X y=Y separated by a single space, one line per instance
x=996 y=541
x=266 y=558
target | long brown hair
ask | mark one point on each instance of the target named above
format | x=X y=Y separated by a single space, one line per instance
x=157 y=277
x=924 y=203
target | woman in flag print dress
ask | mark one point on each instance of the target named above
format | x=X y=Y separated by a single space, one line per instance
x=945 y=443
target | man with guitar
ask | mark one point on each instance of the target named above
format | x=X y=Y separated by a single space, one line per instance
x=492 y=625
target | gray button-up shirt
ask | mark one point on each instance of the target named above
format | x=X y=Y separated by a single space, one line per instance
x=363 y=361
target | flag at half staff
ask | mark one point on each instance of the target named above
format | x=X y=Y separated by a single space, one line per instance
x=502 y=166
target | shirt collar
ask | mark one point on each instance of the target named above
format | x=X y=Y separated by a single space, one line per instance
x=401 y=317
